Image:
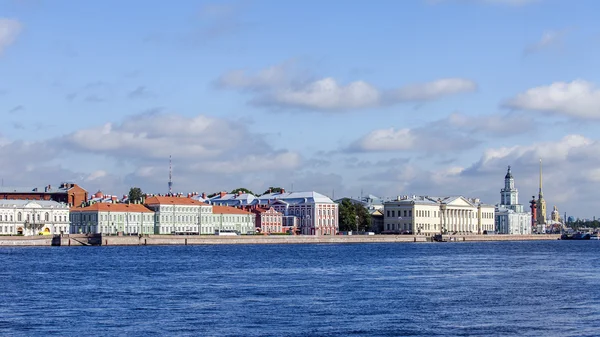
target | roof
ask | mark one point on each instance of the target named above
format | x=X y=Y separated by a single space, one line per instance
x=228 y=210
x=105 y=207
x=160 y=200
x=20 y=203
x=295 y=198
x=455 y=200
x=31 y=190
x=233 y=199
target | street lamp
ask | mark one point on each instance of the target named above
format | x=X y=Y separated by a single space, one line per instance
x=356 y=224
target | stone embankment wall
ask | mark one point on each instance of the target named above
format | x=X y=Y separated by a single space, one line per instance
x=153 y=240
x=41 y=240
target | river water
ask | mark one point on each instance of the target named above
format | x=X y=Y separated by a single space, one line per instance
x=527 y=288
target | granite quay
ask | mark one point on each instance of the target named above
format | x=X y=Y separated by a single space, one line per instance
x=157 y=240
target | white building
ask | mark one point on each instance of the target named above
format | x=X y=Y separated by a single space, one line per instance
x=112 y=218
x=510 y=217
x=316 y=213
x=423 y=215
x=181 y=215
x=511 y=222
x=33 y=217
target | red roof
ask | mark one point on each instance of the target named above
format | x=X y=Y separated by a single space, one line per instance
x=159 y=200
x=108 y=207
x=228 y=210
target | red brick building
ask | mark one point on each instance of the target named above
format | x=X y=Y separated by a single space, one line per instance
x=68 y=193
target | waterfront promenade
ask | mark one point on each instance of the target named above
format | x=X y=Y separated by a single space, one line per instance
x=154 y=240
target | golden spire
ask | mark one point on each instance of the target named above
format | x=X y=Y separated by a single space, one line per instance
x=541 y=178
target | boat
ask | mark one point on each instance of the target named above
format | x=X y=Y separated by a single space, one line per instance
x=575 y=236
x=595 y=236
x=439 y=238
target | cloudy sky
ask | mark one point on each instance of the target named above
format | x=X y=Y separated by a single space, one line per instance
x=425 y=97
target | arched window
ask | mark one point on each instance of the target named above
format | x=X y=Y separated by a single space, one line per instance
x=38 y=217
x=47 y=216
x=19 y=217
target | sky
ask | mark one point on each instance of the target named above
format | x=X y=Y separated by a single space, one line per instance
x=391 y=98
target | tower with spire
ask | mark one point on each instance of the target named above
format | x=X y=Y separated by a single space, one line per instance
x=509 y=195
x=541 y=205
x=509 y=215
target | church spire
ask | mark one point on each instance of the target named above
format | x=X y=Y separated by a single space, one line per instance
x=541 y=194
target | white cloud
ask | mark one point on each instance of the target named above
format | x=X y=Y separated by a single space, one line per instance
x=96 y=175
x=387 y=140
x=280 y=86
x=428 y=138
x=579 y=99
x=9 y=30
x=432 y=90
x=548 y=40
x=325 y=94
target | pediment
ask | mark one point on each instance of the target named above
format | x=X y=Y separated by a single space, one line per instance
x=459 y=201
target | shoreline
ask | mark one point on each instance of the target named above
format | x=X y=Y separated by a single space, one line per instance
x=184 y=240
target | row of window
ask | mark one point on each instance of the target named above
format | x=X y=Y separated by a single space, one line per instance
x=11 y=230
x=37 y=217
x=435 y=214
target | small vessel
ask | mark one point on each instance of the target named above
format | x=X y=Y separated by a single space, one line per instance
x=575 y=236
x=439 y=238
x=595 y=236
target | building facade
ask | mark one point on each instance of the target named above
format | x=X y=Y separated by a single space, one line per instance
x=423 y=215
x=179 y=215
x=112 y=218
x=510 y=222
x=33 y=217
x=268 y=220
x=231 y=219
x=68 y=193
x=510 y=215
x=182 y=215
x=316 y=213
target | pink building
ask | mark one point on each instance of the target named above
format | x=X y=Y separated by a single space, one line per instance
x=268 y=220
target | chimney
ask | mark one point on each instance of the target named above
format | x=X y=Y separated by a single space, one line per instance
x=222 y=194
x=270 y=191
x=239 y=192
x=282 y=191
x=189 y=195
x=203 y=195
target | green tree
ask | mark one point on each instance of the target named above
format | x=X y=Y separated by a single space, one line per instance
x=273 y=190
x=243 y=190
x=350 y=214
x=135 y=194
x=212 y=195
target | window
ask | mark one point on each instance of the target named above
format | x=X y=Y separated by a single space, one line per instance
x=47 y=216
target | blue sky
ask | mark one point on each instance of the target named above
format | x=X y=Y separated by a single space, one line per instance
x=429 y=97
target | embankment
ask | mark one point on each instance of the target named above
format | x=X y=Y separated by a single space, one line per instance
x=154 y=240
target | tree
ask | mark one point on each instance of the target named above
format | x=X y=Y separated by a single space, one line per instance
x=273 y=190
x=243 y=190
x=212 y=195
x=350 y=213
x=135 y=194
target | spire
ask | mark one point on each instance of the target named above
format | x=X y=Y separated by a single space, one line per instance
x=541 y=194
x=508 y=174
x=170 y=177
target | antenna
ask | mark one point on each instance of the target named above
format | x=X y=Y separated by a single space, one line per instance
x=170 y=177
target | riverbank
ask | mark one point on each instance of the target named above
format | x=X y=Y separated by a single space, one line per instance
x=155 y=240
